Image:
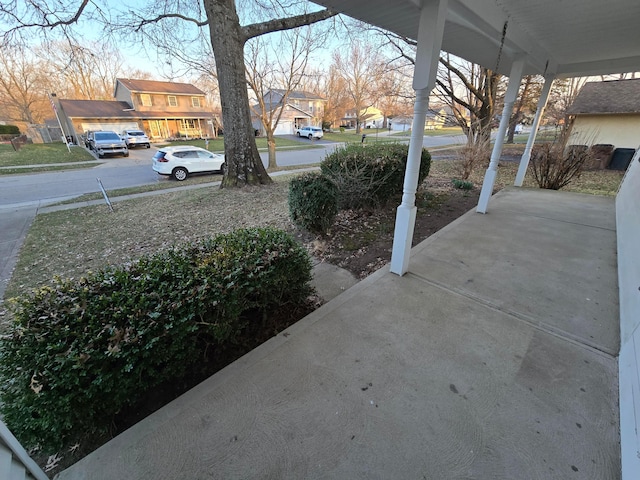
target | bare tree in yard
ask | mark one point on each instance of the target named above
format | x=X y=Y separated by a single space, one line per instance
x=563 y=92
x=331 y=86
x=273 y=72
x=21 y=87
x=360 y=68
x=470 y=91
x=478 y=97
x=227 y=37
x=396 y=94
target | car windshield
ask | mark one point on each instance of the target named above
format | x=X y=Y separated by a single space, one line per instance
x=135 y=134
x=107 y=136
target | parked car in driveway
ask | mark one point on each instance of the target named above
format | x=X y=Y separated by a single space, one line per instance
x=182 y=161
x=107 y=143
x=135 y=138
x=310 y=132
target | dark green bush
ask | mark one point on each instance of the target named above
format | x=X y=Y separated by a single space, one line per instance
x=462 y=184
x=313 y=202
x=78 y=352
x=369 y=175
x=9 y=130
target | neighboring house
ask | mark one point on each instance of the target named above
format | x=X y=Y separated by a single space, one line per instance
x=434 y=121
x=607 y=113
x=370 y=117
x=401 y=123
x=162 y=109
x=300 y=109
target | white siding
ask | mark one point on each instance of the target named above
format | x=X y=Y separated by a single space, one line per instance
x=628 y=233
x=621 y=131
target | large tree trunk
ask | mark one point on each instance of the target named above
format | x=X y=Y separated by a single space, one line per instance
x=244 y=165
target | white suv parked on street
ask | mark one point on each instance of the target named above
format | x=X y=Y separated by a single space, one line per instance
x=183 y=160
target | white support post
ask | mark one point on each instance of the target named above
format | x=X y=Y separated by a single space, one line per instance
x=526 y=156
x=432 y=18
x=509 y=99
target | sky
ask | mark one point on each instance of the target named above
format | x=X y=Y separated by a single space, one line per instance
x=142 y=54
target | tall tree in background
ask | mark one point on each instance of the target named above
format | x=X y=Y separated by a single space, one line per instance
x=84 y=71
x=473 y=105
x=277 y=67
x=329 y=85
x=360 y=68
x=470 y=91
x=226 y=35
x=21 y=87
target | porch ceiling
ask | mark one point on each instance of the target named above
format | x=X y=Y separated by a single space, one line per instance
x=565 y=37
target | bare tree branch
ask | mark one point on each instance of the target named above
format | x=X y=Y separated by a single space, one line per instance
x=148 y=21
x=279 y=24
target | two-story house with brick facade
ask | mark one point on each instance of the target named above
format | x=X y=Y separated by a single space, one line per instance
x=162 y=109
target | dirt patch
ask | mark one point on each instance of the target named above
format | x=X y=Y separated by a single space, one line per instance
x=361 y=240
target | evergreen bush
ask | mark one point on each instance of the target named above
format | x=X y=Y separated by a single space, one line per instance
x=78 y=352
x=9 y=130
x=313 y=202
x=368 y=175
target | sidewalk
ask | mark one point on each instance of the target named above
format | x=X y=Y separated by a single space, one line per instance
x=494 y=357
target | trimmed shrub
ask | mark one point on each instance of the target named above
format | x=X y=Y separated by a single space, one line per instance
x=367 y=175
x=9 y=130
x=313 y=202
x=78 y=352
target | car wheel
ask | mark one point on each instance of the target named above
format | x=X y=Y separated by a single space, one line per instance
x=298 y=133
x=100 y=155
x=148 y=145
x=310 y=137
x=180 y=173
x=126 y=154
x=222 y=167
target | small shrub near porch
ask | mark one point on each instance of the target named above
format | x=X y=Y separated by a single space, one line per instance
x=80 y=351
x=368 y=175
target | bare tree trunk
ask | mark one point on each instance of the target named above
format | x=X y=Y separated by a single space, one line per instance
x=271 y=146
x=244 y=165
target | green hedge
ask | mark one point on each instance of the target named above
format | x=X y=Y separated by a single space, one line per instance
x=313 y=202
x=368 y=175
x=9 y=130
x=80 y=351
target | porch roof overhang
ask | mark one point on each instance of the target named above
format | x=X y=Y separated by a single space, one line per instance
x=565 y=38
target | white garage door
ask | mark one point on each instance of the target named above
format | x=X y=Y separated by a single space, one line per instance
x=284 y=128
x=116 y=127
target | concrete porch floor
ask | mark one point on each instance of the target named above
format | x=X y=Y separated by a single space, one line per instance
x=495 y=357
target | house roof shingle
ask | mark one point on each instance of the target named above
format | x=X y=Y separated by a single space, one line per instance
x=298 y=94
x=115 y=109
x=155 y=86
x=614 y=96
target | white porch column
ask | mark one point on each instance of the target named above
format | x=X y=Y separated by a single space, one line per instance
x=526 y=156
x=509 y=99
x=432 y=18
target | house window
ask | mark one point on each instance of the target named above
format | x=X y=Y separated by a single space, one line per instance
x=173 y=101
x=188 y=124
x=145 y=98
x=195 y=101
